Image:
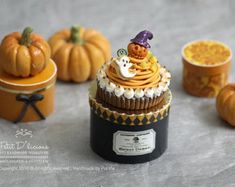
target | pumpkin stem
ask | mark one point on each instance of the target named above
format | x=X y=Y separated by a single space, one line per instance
x=25 y=38
x=75 y=35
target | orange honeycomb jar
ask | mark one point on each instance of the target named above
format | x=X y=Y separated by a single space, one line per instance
x=206 y=65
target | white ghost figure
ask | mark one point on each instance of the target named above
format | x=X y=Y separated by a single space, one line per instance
x=122 y=66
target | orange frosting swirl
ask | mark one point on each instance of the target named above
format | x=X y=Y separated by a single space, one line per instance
x=147 y=73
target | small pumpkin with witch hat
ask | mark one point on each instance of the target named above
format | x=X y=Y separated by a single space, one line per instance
x=138 y=48
x=79 y=53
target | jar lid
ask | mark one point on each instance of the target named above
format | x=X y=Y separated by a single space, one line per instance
x=41 y=80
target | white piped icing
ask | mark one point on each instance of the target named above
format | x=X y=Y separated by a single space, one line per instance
x=102 y=82
x=162 y=70
x=157 y=92
x=110 y=87
x=161 y=86
x=101 y=74
x=119 y=91
x=139 y=93
x=168 y=75
x=149 y=92
x=129 y=93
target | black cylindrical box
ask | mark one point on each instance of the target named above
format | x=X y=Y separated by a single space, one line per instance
x=128 y=138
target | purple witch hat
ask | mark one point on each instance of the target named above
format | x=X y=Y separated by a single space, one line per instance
x=142 y=38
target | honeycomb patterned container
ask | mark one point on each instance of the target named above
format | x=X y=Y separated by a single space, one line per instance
x=206 y=65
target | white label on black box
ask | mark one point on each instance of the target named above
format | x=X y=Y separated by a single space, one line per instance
x=134 y=143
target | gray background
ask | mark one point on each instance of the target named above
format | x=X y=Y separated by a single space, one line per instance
x=201 y=149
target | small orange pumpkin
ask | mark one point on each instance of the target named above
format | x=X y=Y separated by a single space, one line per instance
x=24 y=55
x=225 y=103
x=137 y=51
x=79 y=53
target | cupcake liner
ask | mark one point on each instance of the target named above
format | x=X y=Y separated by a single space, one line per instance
x=128 y=104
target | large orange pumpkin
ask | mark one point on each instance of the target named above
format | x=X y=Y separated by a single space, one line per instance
x=79 y=53
x=225 y=103
x=25 y=54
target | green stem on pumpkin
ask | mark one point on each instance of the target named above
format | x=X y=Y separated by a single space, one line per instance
x=25 y=38
x=75 y=35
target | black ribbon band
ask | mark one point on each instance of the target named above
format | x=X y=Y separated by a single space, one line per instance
x=29 y=100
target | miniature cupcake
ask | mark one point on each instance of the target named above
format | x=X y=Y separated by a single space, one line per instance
x=134 y=80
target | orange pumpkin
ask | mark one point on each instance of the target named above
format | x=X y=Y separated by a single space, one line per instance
x=79 y=53
x=225 y=103
x=24 y=55
x=137 y=51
